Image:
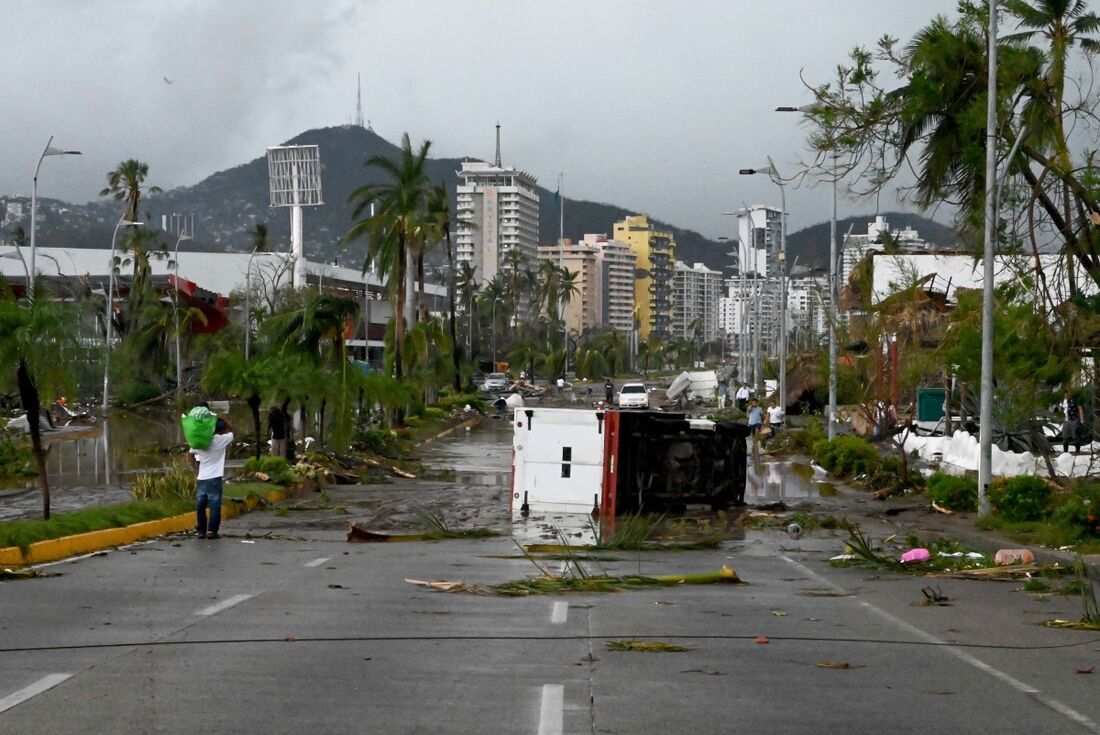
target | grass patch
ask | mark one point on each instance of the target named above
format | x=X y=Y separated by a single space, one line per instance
x=26 y=532
x=1040 y=533
x=646 y=646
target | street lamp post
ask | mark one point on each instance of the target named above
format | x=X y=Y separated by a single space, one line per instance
x=176 y=309
x=773 y=174
x=110 y=310
x=48 y=151
x=832 y=282
x=985 y=444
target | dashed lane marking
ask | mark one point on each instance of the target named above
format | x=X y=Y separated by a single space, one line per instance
x=44 y=684
x=560 y=612
x=550 y=711
x=317 y=562
x=1020 y=686
x=223 y=605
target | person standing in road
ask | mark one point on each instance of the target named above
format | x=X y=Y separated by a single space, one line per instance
x=775 y=417
x=276 y=424
x=742 y=396
x=756 y=417
x=608 y=391
x=209 y=464
x=1073 y=419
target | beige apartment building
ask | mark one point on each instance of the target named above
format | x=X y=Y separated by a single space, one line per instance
x=605 y=282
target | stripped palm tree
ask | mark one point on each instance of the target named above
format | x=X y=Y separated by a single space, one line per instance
x=396 y=225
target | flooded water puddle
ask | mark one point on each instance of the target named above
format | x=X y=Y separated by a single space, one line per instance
x=785 y=480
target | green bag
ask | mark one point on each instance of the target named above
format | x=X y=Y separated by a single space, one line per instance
x=198 y=427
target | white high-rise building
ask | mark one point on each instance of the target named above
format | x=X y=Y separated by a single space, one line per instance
x=497 y=212
x=759 y=228
x=695 y=293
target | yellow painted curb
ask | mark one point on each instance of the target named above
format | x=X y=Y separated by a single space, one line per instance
x=85 y=543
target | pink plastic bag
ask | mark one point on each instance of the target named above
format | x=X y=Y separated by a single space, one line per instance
x=915 y=556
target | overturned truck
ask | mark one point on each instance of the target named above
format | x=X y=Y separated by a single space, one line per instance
x=615 y=462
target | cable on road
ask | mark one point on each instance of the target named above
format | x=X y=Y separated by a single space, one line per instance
x=536 y=638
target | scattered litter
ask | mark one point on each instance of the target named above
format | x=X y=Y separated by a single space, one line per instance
x=838 y=665
x=843 y=557
x=1089 y=670
x=337 y=587
x=940 y=509
x=779 y=613
x=1004 y=557
x=6 y=574
x=794 y=530
x=246 y=541
x=702 y=671
x=646 y=646
x=915 y=556
x=761 y=639
x=933 y=596
x=402 y=473
x=825 y=593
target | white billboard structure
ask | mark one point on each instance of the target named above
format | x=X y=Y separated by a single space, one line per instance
x=294 y=180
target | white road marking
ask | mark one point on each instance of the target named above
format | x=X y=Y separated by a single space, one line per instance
x=560 y=612
x=42 y=685
x=317 y=562
x=550 y=712
x=223 y=605
x=1020 y=686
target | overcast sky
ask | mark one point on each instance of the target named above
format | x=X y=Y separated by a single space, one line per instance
x=650 y=105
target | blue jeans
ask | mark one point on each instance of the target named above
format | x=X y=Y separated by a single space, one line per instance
x=209 y=494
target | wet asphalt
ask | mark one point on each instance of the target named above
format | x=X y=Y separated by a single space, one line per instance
x=281 y=626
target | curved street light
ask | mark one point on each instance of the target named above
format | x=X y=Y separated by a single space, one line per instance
x=773 y=174
x=48 y=151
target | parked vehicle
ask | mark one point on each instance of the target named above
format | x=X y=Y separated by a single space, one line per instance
x=633 y=395
x=495 y=383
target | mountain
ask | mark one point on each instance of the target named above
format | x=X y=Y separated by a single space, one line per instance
x=227 y=205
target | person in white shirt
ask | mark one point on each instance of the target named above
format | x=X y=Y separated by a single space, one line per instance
x=209 y=464
x=775 y=417
x=742 y=396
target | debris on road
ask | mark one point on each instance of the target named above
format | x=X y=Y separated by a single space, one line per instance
x=838 y=665
x=550 y=585
x=646 y=646
x=1004 y=557
x=916 y=556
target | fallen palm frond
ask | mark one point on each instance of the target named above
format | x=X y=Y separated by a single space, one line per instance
x=646 y=646
x=436 y=527
x=9 y=574
x=838 y=665
x=547 y=584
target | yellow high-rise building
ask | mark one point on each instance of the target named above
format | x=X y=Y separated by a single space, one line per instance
x=656 y=253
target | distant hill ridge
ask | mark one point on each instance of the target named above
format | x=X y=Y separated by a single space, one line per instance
x=228 y=204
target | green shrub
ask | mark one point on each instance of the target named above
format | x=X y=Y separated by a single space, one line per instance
x=376 y=441
x=1079 y=508
x=449 y=401
x=955 y=493
x=1025 y=498
x=413 y=421
x=275 y=468
x=847 y=456
x=137 y=392
x=434 y=412
x=176 y=485
x=802 y=440
x=16 y=459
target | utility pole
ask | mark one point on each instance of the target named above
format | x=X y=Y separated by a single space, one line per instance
x=985 y=458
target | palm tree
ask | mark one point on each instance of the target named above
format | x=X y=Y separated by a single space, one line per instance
x=125 y=183
x=35 y=339
x=396 y=225
x=261 y=242
x=1064 y=24
x=467 y=286
x=439 y=212
x=228 y=372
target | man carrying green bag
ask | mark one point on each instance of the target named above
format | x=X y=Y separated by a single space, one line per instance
x=209 y=464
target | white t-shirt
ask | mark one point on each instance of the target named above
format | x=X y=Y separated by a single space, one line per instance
x=775 y=414
x=212 y=459
x=742 y=393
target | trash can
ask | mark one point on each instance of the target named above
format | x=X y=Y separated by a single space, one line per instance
x=930 y=403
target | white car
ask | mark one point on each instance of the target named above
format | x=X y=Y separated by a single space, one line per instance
x=633 y=395
x=495 y=383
